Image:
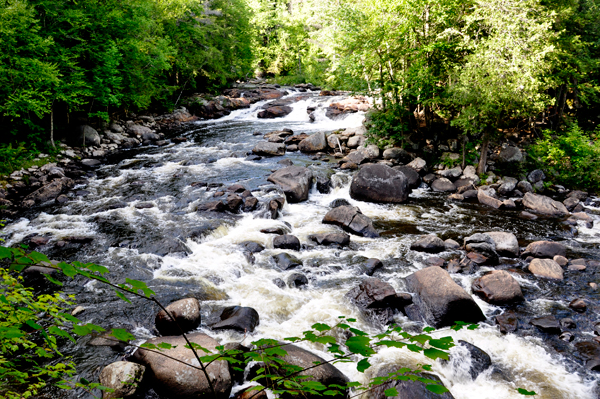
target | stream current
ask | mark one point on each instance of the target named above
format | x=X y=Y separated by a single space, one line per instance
x=180 y=252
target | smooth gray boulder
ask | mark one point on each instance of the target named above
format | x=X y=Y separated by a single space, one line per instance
x=414 y=180
x=313 y=143
x=123 y=377
x=545 y=249
x=544 y=205
x=443 y=185
x=175 y=379
x=536 y=176
x=89 y=136
x=506 y=243
x=237 y=318
x=379 y=183
x=286 y=241
x=351 y=219
x=186 y=313
x=439 y=300
x=497 y=287
x=429 y=243
x=48 y=192
x=546 y=268
x=265 y=148
x=486 y=199
x=510 y=154
x=398 y=154
x=339 y=239
x=295 y=181
x=378 y=300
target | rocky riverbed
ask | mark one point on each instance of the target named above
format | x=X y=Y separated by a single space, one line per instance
x=269 y=225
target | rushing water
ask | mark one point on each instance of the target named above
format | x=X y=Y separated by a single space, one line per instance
x=154 y=245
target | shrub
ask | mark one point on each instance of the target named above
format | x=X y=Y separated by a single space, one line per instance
x=388 y=126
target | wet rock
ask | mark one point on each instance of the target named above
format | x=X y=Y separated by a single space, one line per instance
x=175 y=379
x=398 y=154
x=286 y=241
x=544 y=205
x=486 y=199
x=511 y=155
x=508 y=186
x=524 y=186
x=371 y=265
x=418 y=164
x=570 y=203
x=279 y=282
x=547 y=324
x=123 y=378
x=275 y=230
x=88 y=136
x=497 y=287
x=484 y=245
x=212 y=206
x=252 y=247
x=470 y=194
x=507 y=322
x=378 y=300
x=186 y=313
x=443 y=185
x=506 y=243
x=408 y=389
x=339 y=239
x=286 y=261
x=435 y=261
x=568 y=323
x=536 y=176
x=480 y=360
x=561 y=260
x=546 y=268
x=48 y=192
x=351 y=219
x=37 y=241
x=295 y=181
x=323 y=185
x=297 y=280
x=338 y=202
x=428 y=178
x=578 y=305
x=452 y=173
x=429 y=243
x=265 y=148
x=144 y=205
x=545 y=249
x=106 y=339
x=233 y=202
x=379 y=183
x=414 y=180
x=275 y=112
x=238 y=318
x=250 y=204
x=439 y=300
x=451 y=244
x=313 y=143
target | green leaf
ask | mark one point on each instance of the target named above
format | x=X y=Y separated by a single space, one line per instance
x=435 y=388
x=391 y=344
x=53 y=280
x=10 y=332
x=433 y=353
x=122 y=296
x=33 y=325
x=38 y=257
x=122 y=335
x=81 y=330
x=5 y=253
x=67 y=269
x=360 y=345
x=428 y=329
x=391 y=392
x=363 y=365
x=320 y=327
x=164 y=345
x=62 y=333
x=358 y=332
x=526 y=392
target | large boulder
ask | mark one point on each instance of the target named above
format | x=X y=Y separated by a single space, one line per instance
x=265 y=148
x=497 y=287
x=48 y=192
x=407 y=389
x=313 y=143
x=429 y=243
x=275 y=112
x=295 y=181
x=546 y=268
x=480 y=360
x=398 y=154
x=414 y=180
x=510 y=155
x=443 y=185
x=379 y=183
x=378 y=300
x=175 y=379
x=544 y=205
x=123 y=378
x=484 y=245
x=418 y=164
x=287 y=241
x=545 y=249
x=88 y=136
x=439 y=300
x=506 y=243
x=238 y=318
x=286 y=261
x=339 y=239
x=358 y=157
x=186 y=313
x=486 y=199
x=351 y=219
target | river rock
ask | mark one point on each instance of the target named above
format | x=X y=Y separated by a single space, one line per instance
x=536 y=176
x=186 y=313
x=339 y=239
x=351 y=219
x=314 y=143
x=286 y=261
x=379 y=183
x=486 y=199
x=450 y=244
x=570 y=203
x=371 y=265
x=297 y=280
x=546 y=268
x=418 y=164
x=497 y=287
x=506 y=243
x=510 y=155
x=265 y=148
x=338 y=202
x=544 y=205
x=48 y=192
x=287 y=241
x=238 y=318
x=452 y=173
x=545 y=249
x=408 y=389
x=429 y=243
x=578 y=305
x=508 y=186
x=414 y=180
x=275 y=112
x=174 y=379
x=378 y=300
x=547 y=324
x=88 y=136
x=439 y=300
x=295 y=181
x=356 y=141
x=357 y=157
x=252 y=247
x=398 y=154
x=443 y=185
x=123 y=377
x=480 y=360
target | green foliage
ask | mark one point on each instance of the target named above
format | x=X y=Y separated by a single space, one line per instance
x=571 y=158
x=388 y=126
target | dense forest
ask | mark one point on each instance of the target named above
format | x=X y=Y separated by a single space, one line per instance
x=479 y=69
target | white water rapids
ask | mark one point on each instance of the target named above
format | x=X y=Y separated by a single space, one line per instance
x=217 y=264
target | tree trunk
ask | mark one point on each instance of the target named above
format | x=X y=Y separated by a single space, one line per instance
x=464 y=152
x=483 y=155
x=52 y=126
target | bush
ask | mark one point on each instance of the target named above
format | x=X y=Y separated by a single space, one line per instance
x=571 y=158
x=388 y=126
